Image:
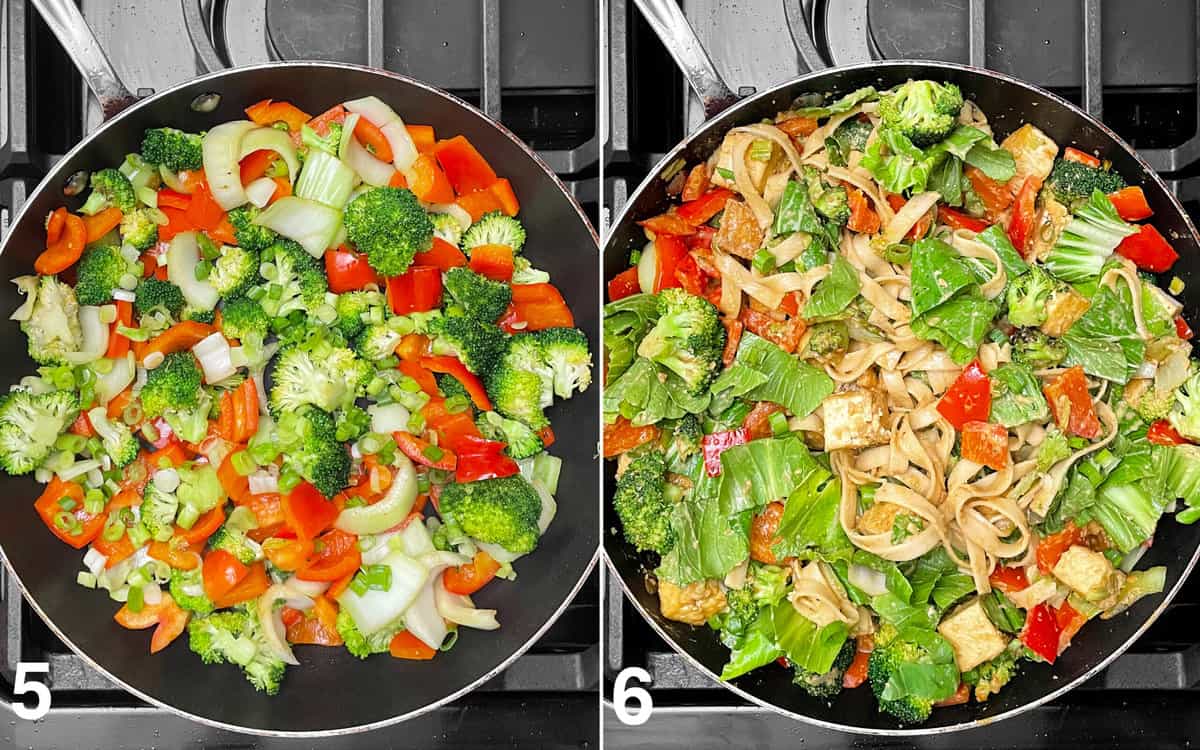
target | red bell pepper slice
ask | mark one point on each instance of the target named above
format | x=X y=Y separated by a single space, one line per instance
x=307 y=512
x=429 y=181
x=424 y=452
x=621 y=436
x=705 y=207
x=251 y=587
x=336 y=555
x=668 y=223
x=419 y=289
x=73 y=525
x=1162 y=433
x=1050 y=548
x=221 y=572
x=959 y=220
x=1072 y=405
x=1148 y=250
x=1074 y=154
x=1182 y=329
x=168 y=198
x=625 y=284
x=441 y=255
x=541 y=306
x=469 y=578
x=424 y=378
x=1024 y=214
x=1069 y=623
x=473 y=385
x=493 y=261
x=320 y=124
x=669 y=252
x=405 y=645
x=1131 y=204
x=118 y=343
x=702 y=238
x=204 y=212
x=969 y=398
x=717 y=443
x=1008 y=579
x=856 y=673
x=256 y=164
x=986 y=444
x=465 y=167
x=1041 y=633
x=348 y=271
x=482 y=459
x=454 y=429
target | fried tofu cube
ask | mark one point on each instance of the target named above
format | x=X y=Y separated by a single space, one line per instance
x=1087 y=572
x=880 y=518
x=1033 y=151
x=758 y=170
x=693 y=603
x=1064 y=308
x=855 y=419
x=739 y=233
x=972 y=635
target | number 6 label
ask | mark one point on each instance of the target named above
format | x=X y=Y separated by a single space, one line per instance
x=623 y=694
x=39 y=689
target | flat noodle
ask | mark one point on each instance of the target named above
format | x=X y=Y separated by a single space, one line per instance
x=791 y=247
x=819 y=596
x=816 y=140
x=769 y=290
x=868 y=186
x=741 y=177
x=908 y=216
x=1128 y=273
x=1039 y=502
x=964 y=241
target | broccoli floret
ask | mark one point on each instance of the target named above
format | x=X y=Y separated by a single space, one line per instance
x=100 y=272
x=480 y=297
x=495 y=228
x=234 y=271
x=924 y=111
x=251 y=236
x=688 y=338
x=350 y=307
x=198 y=315
x=477 y=345
x=158 y=511
x=522 y=441
x=989 y=677
x=831 y=201
x=1150 y=403
x=358 y=644
x=828 y=337
x=1054 y=448
x=683 y=443
x=1185 y=416
x=827 y=684
x=450 y=386
x=565 y=351
x=174 y=149
x=328 y=381
x=377 y=341
x=765 y=585
x=187 y=589
x=525 y=273
x=1036 y=349
x=119 y=442
x=502 y=511
x=296 y=280
x=155 y=293
x=242 y=317
x=236 y=543
x=526 y=353
x=29 y=425
x=446 y=228
x=139 y=230
x=236 y=637
x=174 y=384
x=53 y=326
x=308 y=438
x=893 y=648
x=328 y=143
x=517 y=394
x=1072 y=182
x=740 y=611
x=1028 y=295
x=109 y=188
x=389 y=225
x=642 y=505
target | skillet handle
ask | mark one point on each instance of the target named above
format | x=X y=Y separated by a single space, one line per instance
x=68 y=24
x=672 y=27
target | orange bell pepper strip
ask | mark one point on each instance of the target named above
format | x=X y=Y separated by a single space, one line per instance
x=425 y=453
x=307 y=512
x=250 y=587
x=429 y=181
x=340 y=585
x=405 y=645
x=204 y=212
x=119 y=402
x=288 y=554
x=283 y=189
x=541 y=306
x=473 y=385
x=171 y=454
x=179 y=337
x=798 y=127
x=469 y=578
x=225 y=427
x=118 y=344
x=204 y=527
x=338 y=556
x=465 y=167
x=1074 y=154
x=55 y=223
x=269 y=112
x=479 y=202
x=290 y=617
x=863 y=218
x=320 y=124
x=268 y=511
x=441 y=255
x=114 y=552
x=986 y=444
x=223 y=233
x=856 y=673
x=63 y=253
x=249 y=413
x=312 y=629
x=1071 y=404
x=167 y=618
x=180 y=557
x=222 y=571
x=422 y=137
x=493 y=261
x=503 y=190
x=621 y=436
x=996 y=196
x=61 y=509
x=412 y=346
x=102 y=223
x=372 y=138
x=1050 y=548
x=398 y=180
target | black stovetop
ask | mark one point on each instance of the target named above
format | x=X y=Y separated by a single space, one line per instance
x=1144 y=84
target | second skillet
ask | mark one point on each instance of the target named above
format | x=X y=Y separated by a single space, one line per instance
x=1008 y=103
x=331 y=692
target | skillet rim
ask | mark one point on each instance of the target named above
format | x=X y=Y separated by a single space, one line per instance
x=625 y=217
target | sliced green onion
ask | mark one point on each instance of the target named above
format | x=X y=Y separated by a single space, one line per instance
x=288 y=479
x=64 y=520
x=113 y=531
x=138 y=535
x=93 y=502
x=760 y=149
x=150 y=432
x=726 y=173
x=208 y=249
x=243 y=463
x=457 y=404
x=451 y=639
x=70 y=443
x=778 y=422
x=203 y=270
x=433 y=453
x=136 y=599
x=379 y=577
x=371 y=443
x=86 y=579
x=359 y=584
x=354 y=501
x=898 y=253
x=188 y=515
x=764 y=261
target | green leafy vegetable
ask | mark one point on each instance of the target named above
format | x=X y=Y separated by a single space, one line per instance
x=834 y=293
x=1017 y=396
x=764 y=372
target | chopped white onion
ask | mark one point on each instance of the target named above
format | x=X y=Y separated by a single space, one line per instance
x=222 y=148
x=117 y=379
x=183 y=255
x=166 y=480
x=94 y=561
x=263 y=481
x=260 y=191
x=416 y=540
x=388 y=418
x=549 y=507
x=374 y=609
x=422 y=618
x=95 y=336
x=306 y=588
x=124 y=295
x=497 y=553
x=314 y=225
x=460 y=610
x=647 y=268
x=270 y=139
x=152 y=594
x=404 y=151
x=215 y=360
x=153 y=359
x=272 y=621
x=1146 y=369
x=871 y=581
x=372 y=171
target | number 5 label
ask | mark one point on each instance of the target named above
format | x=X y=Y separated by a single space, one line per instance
x=39 y=689
x=623 y=694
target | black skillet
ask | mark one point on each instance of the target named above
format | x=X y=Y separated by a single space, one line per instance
x=331 y=692
x=1008 y=103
